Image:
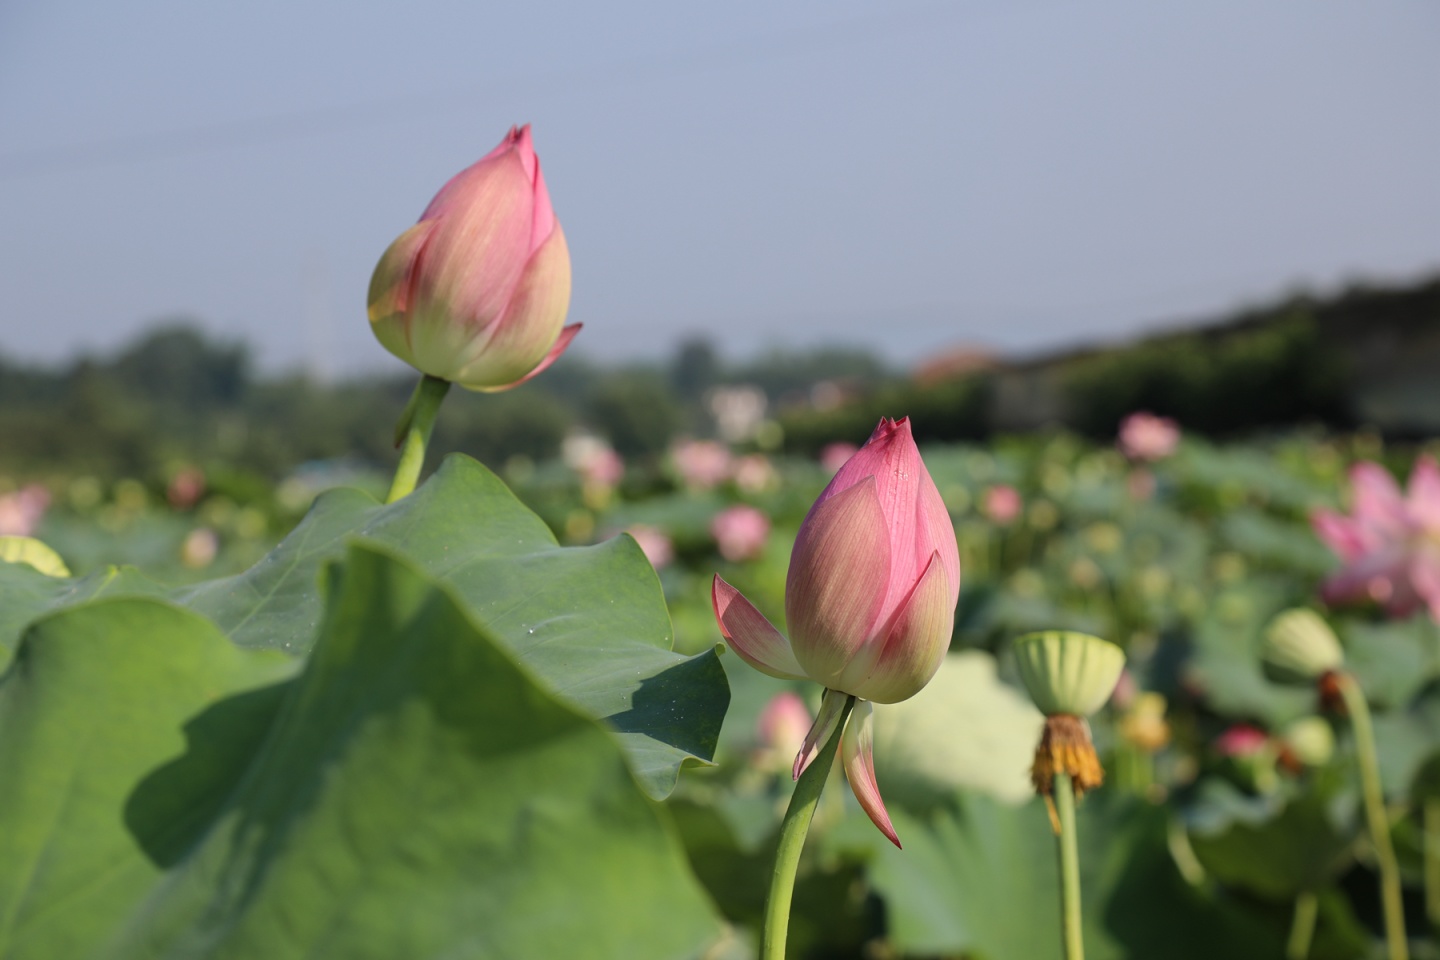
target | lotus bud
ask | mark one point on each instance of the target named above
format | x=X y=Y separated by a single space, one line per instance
x=1299 y=647
x=28 y=550
x=476 y=292
x=1067 y=672
x=870 y=598
x=1070 y=676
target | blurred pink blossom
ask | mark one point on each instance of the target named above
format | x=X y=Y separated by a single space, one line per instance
x=754 y=474
x=740 y=532
x=186 y=488
x=834 y=456
x=653 y=543
x=702 y=464
x=1241 y=740
x=596 y=462
x=1390 y=543
x=780 y=731
x=199 y=548
x=20 y=512
x=1144 y=436
x=1002 y=504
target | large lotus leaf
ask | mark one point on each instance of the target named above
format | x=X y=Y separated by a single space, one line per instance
x=922 y=758
x=1279 y=846
x=414 y=792
x=26 y=594
x=978 y=878
x=1391 y=660
x=591 y=622
x=1225 y=663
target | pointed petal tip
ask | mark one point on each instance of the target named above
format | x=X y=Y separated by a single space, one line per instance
x=857 y=751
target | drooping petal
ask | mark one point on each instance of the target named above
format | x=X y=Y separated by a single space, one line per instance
x=752 y=636
x=907 y=655
x=517 y=341
x=857 y=751
x=561 y=343
x=832 y=707
x=835 y=588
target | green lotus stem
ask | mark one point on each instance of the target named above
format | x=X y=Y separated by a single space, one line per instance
x=1378 y=821
x=1070 y=922
x=416 y=423
x=792 y=840
x=1302 y=928
x=1431 y=821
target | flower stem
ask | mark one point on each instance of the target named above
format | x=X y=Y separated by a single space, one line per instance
x=792 y=840
x=1377 y=820
x=1070 y=922
x=1431 y=822
x=1302 y=928
x=416 y=423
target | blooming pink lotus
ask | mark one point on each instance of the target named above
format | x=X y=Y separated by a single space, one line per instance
x=1144 y=436
x=740 y=532
x=1002 y=504
x=1390 y=543
x=869 y=599
x=20 y=512
x=477 y=291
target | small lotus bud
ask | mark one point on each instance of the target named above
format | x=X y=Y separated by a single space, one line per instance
x=30 y=551
x=1067 y=672
x=1300 y=647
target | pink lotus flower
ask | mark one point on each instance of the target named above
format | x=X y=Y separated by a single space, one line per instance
x=869 y=598
x=1144 y=436
x=780 y=730
x=702 y=464
x=653 y=543
x=754 y=474
x=1002 y=504
x=1390 y=544
x=740 y=532
x=835 y=455
x=20 y=512
x=1241 y=740
x=476 y=292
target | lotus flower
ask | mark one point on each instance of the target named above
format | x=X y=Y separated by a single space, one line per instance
x=1144 y=436
x=476 y=292
x=740 y=532
x=1390 y=543
x=702 y=464
x=1002 y=504
x=869 y=599
x=780 y=730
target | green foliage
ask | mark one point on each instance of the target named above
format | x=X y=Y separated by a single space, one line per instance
x=412 y=792
x=1279 y=372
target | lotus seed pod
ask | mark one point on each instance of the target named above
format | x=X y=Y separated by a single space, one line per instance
x=1300 y=647
x=33 y=552
x=1067 y=672
x=1310 y=741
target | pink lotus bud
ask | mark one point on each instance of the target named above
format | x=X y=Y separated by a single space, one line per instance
x=653 y=543
x=20 y=512
x=1002 y=504
x=740 y=532
x=870 y=598
x=780 y=729
x=702 y=464
x=1241 y=740
x=1144 y=436
x=476 y=292
x=834 y=456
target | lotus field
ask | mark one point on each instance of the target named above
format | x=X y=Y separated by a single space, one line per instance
x=1147 y=696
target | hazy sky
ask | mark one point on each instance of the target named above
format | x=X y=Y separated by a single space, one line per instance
x=904 y=176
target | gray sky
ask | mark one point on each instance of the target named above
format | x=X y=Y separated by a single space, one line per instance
x=902 y=176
